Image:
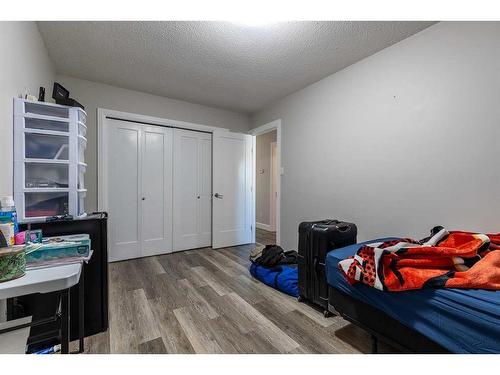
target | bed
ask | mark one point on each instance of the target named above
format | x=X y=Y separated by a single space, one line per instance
x=428 y=321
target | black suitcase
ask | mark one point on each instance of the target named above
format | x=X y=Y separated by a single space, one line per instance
x=316 y=239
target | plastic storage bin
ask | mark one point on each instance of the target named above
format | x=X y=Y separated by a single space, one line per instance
x=82 y=116
x=45 y=146
x=81 y=203
x=81 y=176
x=46 y=175
x=40 y=204
x=49 y=159
x=46 y=110
x=82 y=144
x=44 y=124
x=82 y=130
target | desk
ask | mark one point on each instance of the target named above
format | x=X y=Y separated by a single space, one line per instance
x=45 y=280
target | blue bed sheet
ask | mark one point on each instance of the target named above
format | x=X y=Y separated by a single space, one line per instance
x=460 y=320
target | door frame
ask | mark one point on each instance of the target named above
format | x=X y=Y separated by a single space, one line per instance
x=103 y=114
x=273 y=183
x=266 y=128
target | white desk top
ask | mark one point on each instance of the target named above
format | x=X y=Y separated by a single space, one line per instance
x=43 y=280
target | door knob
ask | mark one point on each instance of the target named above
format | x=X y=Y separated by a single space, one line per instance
x=220 y=196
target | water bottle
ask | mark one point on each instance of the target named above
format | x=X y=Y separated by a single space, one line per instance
x=8 y=212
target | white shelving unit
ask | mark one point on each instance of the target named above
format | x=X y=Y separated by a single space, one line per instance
x=49 y=160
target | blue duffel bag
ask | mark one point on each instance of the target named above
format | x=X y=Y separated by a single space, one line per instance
x=283 y=278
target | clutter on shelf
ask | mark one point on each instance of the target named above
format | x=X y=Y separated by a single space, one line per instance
x=12 y=263
x=28 y=249
x=12 y=258
x=57 y=248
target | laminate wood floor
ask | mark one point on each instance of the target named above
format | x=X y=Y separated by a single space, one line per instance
x=205 y=301
x=265 y=237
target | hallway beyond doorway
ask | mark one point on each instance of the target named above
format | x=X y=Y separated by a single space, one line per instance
x=265 y=237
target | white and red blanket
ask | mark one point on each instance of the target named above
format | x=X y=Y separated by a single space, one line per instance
x=444 y=260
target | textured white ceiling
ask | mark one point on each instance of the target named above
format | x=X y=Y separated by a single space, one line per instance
x=220 y=64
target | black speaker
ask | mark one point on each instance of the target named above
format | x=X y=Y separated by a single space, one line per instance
x=61 y=96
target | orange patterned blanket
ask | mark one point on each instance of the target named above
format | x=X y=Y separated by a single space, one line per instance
x=443 y=260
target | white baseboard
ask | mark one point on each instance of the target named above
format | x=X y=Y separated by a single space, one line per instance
x=267 y=227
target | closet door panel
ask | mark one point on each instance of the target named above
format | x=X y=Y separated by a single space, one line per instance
x=156 y=190
x=123 y=158
x=205 y=189
x=185 y=201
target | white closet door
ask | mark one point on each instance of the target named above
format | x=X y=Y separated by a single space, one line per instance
x=122 y=161
x=192 y=190
x=205 y=189
x=156 y=197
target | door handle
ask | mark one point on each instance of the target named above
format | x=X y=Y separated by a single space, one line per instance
x=217 y=195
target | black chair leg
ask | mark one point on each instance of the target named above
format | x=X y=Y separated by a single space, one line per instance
x=374 y=344
x=81 y=317
x=65 y=321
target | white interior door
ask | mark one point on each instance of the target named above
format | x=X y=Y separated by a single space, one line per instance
x=192 y=189
x=156 y=199
x=122 y=162
x=232 y=218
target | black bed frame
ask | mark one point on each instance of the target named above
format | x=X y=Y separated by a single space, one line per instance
x=380 y=325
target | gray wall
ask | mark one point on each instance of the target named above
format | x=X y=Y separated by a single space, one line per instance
x=399 y=142
x=95 y=95
x=24 y=66
x=263 y=180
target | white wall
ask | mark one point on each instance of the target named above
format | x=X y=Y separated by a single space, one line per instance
x=263 y=180
x=95 y=95
x=24 y=66
x=399 y=142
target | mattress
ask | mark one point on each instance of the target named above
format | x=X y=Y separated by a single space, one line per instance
x=460 y=320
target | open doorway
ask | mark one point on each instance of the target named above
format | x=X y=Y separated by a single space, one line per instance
x=267 y=183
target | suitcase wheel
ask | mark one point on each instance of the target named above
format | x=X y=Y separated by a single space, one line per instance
x=300 y=299
x=327 y=314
